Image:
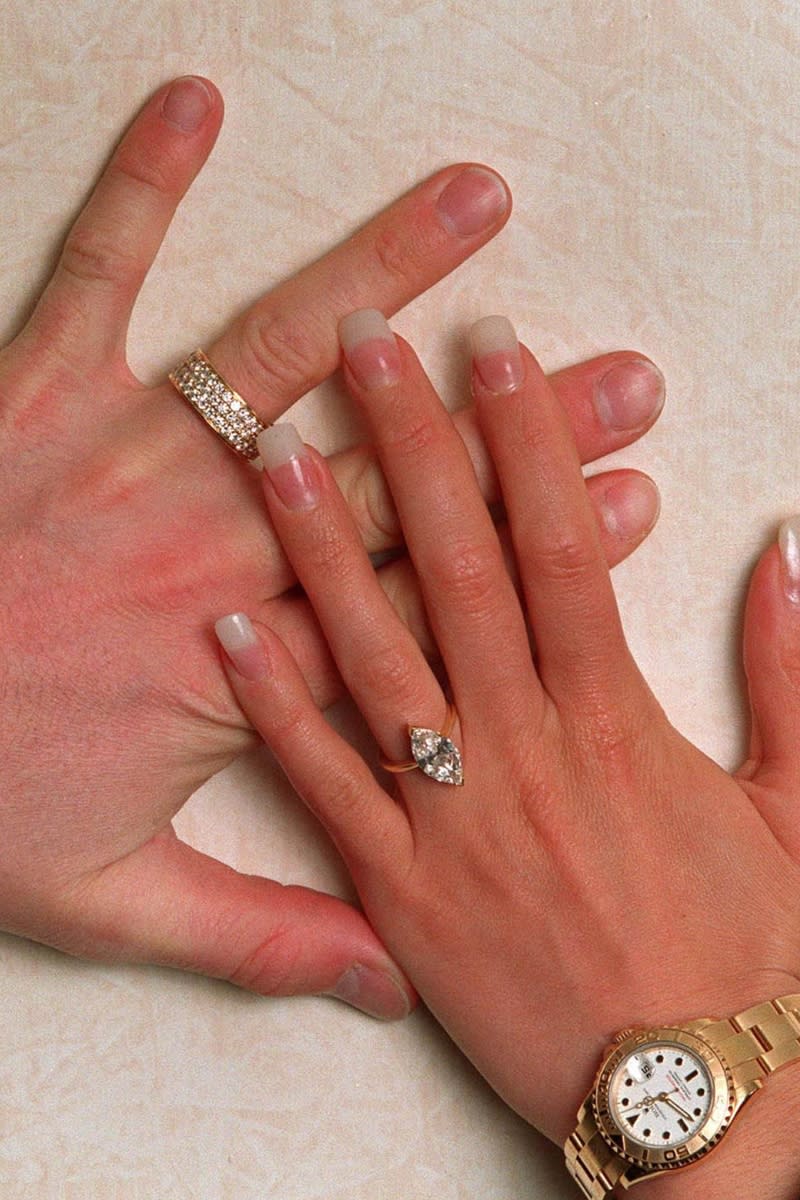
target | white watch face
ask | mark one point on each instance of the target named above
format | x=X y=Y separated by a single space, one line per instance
x=660 y=1094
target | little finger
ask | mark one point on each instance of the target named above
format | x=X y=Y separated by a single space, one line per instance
x=569 y=598
x=329 y=775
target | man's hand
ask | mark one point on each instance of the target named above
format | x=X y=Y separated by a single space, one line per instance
x=127 y=525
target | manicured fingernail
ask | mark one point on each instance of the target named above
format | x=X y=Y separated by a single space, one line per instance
x=789 y=543
x=495 y=351
x=370 y=348
x=187 y=104
x=374 y=992
x=291 y=469
x=472 y=202
x=630 y=394
x=630 y=507
x=242 y=645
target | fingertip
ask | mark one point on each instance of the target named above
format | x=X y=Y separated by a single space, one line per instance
x=611 y=400
x=630 y=394
x=476 y=200
x=630 y=506
x=496 y=358
x=243 y=647
x=188 y=102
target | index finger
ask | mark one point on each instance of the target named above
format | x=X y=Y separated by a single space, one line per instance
x=287 y=343
x=113 y=242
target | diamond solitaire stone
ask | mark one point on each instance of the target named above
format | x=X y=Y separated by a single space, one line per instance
x=436 y=756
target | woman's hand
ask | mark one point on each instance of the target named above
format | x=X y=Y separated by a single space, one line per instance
x=595 y=871
x=127 y=525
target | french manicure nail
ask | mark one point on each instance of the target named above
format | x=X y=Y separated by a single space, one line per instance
x=789 y=543
x=630 y=507
x=370 y=348
x=374 y=992
x=242 y=645
x=291 y=470
x=630 y=394
x=495 y=351
x=187 y=104
x=472 y=202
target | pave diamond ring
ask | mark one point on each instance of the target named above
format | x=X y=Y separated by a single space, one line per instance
x=218 y=404
x=432 y=753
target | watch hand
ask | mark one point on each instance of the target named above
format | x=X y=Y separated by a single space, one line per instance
x=677 y=1107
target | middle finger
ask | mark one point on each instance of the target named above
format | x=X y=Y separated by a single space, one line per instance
x=470 y=598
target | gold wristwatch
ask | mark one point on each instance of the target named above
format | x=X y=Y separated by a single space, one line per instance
x=665 y=1097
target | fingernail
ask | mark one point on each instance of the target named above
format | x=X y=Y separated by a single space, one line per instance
x=370 y=348
x=789 y=543
x=472 y=202
x=495 y=351
x=290 y=468
x=242 y=645
x=187 y=104
x=630 y=394
x=630 y=507
x=374 y=992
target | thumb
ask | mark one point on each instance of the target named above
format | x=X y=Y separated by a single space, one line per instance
x=168 y=904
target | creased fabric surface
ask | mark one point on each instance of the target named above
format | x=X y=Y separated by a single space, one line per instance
x=652 y=150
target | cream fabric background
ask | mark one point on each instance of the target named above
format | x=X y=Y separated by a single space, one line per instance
x=652 y=150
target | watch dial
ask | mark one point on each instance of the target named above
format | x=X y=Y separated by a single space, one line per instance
x=661 y=1094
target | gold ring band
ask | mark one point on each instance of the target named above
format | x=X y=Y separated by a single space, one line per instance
x=218 y=404
x=433 y=753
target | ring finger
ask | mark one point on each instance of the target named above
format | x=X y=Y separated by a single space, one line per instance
x=380 y=662
x=287 y=342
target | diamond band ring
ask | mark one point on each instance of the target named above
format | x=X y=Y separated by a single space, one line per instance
x=433 y=753
x=218 y=404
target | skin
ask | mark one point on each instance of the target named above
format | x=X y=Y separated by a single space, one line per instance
x=596 y=871
x=127 y=525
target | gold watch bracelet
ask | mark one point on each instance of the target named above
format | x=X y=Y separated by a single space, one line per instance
x=754 y=1044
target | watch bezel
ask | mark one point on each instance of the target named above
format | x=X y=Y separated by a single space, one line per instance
x=720 y=1114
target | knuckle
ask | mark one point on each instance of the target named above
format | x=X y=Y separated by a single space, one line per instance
x=344 y=793
x=616 y=736
x=271 y=965
x=567 y=560
x=279 y=349
x=391 y=251
x=384 y=669
x=90 y=257
x=468 y=573
x=285 y=722
x=327 y=553
x=406 y=437
x=145 y=173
